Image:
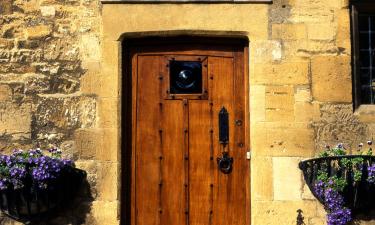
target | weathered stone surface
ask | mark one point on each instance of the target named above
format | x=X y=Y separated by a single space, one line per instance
x=91 y=47
x=57 y=116
x=61 y=50
x=88 y=142
x=303 y=94
x=289 y=31
x=306 y=111
x=282 y=73
x=337 y=124
x=5 y=93
x=37 y=32
x=6 y=7
x=279 y=103
x=283 y=139
x=21 y=56
x=331 y=78
x=266 y=51
x=48 y=11
x=15 y=120
x=6 y=43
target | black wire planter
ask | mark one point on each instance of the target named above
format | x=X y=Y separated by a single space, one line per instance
x=358 y=196
x=32 y=203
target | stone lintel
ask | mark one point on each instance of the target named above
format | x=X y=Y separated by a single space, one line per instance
x=183 y=1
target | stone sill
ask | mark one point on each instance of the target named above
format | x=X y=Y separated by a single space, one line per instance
x=183 y=1
x=365 y=113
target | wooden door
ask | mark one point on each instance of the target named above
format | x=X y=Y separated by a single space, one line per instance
x=176 y=178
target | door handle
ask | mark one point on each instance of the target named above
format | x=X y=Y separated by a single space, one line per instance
x=225 y=162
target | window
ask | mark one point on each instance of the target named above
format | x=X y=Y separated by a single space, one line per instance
x=363 y=34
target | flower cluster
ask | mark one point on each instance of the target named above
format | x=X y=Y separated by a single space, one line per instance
x=31 y=165
x=334 y=203
x=371 y=174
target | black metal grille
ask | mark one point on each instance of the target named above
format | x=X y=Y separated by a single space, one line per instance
x=366 y=28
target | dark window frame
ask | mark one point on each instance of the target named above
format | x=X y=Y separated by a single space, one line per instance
x=358 y=7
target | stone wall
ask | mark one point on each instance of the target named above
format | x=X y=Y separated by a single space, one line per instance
x=60 y=72
x=49 y=49
x=305 y=91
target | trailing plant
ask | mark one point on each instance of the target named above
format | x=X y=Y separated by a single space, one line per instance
x=330 y=188
x=33 y=167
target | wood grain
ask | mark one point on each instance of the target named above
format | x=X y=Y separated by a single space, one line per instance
x=175 y=178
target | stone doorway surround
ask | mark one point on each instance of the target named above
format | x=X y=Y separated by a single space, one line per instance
x=123 y=20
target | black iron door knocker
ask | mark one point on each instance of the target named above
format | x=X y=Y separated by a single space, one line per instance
x=225 y=162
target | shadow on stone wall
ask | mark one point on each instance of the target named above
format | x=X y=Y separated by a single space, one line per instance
x=76 y=212
x=365 y=218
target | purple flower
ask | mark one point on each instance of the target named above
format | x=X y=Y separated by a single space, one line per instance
x=339 y=217
x=371 y=174
x=42 y=169
x=337 y=214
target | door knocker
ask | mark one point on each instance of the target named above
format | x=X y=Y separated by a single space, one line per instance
x=225 y=163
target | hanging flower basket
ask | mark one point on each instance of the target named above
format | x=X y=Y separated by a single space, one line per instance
x=359 y=196
x=344 y=184
x=33 y=185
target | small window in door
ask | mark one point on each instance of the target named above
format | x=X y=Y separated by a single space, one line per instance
x=185 y=77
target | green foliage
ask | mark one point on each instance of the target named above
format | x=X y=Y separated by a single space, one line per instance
x=339 y=183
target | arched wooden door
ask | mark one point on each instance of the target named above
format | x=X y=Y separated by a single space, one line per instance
x=179 y=137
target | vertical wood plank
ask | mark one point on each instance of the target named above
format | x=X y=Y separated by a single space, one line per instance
x=173 y=164
x=147 y=134
x=240 y=177
x=199 y=158
x=229 y=203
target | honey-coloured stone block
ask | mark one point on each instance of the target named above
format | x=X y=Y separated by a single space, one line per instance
x=287 y=178
x=306 y=111
x=289 y=31
x=108 y=181
x=321 y=31
x=257 y=101
x=15 y=119
x=331 y=78
x=343 y=37
x=109 y=151
x=5 y=92
x=262 y=183
x=282 y=139
x=282 y=73
x=106 y=212
x=88 y=142
x=279 y=103
x=281 y=212
x=109 y=112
